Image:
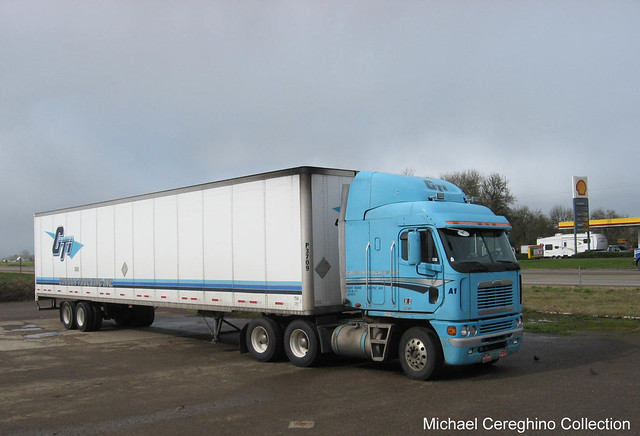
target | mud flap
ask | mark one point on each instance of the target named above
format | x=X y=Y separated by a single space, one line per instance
x=242 y=340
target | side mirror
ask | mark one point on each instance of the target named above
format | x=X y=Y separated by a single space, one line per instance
x=415 y=248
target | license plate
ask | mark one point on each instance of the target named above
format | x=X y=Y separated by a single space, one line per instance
x=502 y=354
x=486 y=358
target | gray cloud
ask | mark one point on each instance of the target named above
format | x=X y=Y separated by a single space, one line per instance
x=107 y=99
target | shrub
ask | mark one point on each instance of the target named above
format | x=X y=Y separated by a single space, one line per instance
x=16 y=288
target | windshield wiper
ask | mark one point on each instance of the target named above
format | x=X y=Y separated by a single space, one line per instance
x=515 y=265
x=474 y=266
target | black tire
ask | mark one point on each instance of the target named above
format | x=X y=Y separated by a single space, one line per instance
x=264 y=339
x=638 y=264
x=85 y=316
x=420 y=354
x=68 y=314
x=97 y=317
x=301 y=343
x=143 y=316
x=122 y=315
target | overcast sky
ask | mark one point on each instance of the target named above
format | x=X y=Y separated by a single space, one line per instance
x=106 y=99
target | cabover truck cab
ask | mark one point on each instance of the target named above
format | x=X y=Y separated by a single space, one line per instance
x=430 y=270
x=367 y=265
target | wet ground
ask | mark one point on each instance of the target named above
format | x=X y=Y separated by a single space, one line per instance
x=170 y=379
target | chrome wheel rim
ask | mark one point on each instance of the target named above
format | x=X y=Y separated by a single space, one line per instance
x=259 y=339
x=299 y=343
x=66 y=314
x=80 y=316
x=415 y=354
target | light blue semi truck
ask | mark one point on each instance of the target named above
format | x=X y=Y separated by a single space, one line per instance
x=430 y=272
x=362 y=264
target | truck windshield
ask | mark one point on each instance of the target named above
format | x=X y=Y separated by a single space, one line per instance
x=478 y=250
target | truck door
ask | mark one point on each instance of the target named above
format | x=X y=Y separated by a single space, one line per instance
x=382 y=267
x=420 y=282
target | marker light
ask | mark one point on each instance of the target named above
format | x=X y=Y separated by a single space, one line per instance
x=451 y=330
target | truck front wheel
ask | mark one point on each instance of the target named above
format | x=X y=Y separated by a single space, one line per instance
x=420 y=353
x=301 y=343
x=264 y=339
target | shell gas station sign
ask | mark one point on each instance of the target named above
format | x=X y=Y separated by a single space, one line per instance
x=580 y=204
x=580 y=187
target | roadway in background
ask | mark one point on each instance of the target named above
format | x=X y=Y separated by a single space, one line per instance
x=557 y=277
x=588 y=277
x=16 y=268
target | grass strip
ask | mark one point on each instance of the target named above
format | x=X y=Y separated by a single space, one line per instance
x=567 y=310
x=561 y=324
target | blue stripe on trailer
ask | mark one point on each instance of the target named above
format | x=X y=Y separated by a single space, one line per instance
x=292 y=288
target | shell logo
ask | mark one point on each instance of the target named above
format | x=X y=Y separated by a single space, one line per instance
x=581 y=187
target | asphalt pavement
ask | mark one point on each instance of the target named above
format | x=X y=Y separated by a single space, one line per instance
x=170 y=379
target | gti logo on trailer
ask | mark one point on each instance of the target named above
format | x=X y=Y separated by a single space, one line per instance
x=64 y=245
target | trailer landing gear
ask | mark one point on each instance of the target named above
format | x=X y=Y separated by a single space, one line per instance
x=218 y=318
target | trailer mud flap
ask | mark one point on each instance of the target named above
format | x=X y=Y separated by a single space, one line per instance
x=242 y=339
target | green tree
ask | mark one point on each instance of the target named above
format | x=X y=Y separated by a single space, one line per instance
x=528 y=225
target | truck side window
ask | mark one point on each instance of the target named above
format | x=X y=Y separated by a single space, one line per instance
x=429 y=251
x=404 y=246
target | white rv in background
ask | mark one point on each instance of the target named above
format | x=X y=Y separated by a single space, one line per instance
x=563 y=245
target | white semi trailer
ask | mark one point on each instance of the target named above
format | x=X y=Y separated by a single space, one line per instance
x=334 y=260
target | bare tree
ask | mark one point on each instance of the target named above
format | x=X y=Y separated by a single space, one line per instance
x=470 y=181
x=496 y=194
x=559 y=213
x=623 y=236
x=492 y=191
x=600 y=214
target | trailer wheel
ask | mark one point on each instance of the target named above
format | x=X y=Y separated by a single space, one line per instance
x=420 y=354
x=97 y=317
x=68 y=314
x=264 y=339
x=301 y=343
x=84 y=316
x=143 y=316
x=121 y=314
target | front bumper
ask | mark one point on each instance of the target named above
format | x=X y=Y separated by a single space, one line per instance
x=479 y=348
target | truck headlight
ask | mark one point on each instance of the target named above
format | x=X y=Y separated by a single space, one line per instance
x=464 y=331
x=518 y=322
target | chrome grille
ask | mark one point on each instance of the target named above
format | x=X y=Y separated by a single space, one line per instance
x=495 y=297
x=495 y=326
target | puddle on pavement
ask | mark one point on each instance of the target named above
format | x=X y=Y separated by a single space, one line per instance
x=42 y=335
